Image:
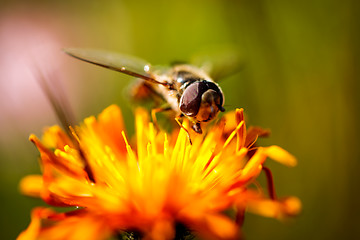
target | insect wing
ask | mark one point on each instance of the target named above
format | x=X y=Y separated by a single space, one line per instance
x=219 y=62
x=119 y=62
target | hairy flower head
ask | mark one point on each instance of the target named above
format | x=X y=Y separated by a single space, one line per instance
x=153 y=186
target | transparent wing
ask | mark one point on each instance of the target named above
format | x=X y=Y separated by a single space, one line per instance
x=63 y=112
x=219 y=61
x=126 y=64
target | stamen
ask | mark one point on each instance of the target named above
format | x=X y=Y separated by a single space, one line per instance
x=128 y=147
x=74 y=134
x=228 y=140
x=125 y=139
x=166 y=145
x=253 y=142
x=132 y=159
x=241 y=134
x=87 y=166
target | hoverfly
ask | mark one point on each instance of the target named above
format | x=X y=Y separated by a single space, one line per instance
x=188 y=90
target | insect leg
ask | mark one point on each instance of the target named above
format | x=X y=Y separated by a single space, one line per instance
x=197 y=128
x=187 y=132
x=154 y=111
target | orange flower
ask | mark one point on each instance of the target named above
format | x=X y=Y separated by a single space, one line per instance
x=152 y=187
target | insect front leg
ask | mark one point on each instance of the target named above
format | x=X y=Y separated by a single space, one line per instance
x=177 y=119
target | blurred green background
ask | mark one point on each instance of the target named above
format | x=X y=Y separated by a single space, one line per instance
x=299 y=77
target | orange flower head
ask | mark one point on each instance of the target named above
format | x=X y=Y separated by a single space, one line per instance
x=157 y=187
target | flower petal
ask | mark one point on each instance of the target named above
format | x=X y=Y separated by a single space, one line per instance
x=108 y=127
x=33 y=230
x=54 y=137
x=62 y=164
x=257 y=203
x=253 y=133
x=111 y=122
x=280 y=209
x=253 y=167
x=31 y=185
x=280 y=155
x=47 y=224
x=162 y=230
x=216 y=227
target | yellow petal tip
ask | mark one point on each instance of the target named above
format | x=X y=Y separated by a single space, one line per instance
x=282 y=156
x=31 y=185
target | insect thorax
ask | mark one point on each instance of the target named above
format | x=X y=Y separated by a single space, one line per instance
x=184 y=75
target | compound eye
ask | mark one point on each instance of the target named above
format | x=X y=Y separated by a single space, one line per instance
x=191 y=99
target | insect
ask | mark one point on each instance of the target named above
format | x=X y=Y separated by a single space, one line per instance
x=188 y=90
